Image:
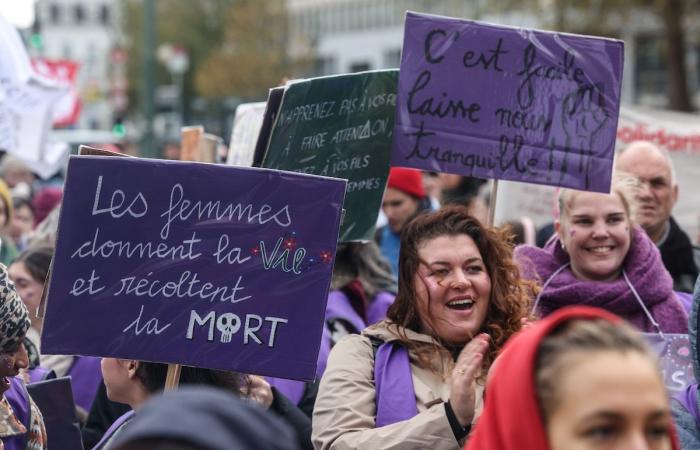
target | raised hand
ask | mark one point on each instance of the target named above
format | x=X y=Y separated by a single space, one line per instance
x=467 y=369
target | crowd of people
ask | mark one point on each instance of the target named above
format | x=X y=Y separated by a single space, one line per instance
x=443 y=333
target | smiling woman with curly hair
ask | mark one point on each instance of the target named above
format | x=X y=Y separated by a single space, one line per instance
x=416 y=379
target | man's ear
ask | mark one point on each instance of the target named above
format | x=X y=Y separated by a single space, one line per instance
x=675 y=193
x=131 y=367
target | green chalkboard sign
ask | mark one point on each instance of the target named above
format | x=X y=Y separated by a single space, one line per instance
x=340 y=126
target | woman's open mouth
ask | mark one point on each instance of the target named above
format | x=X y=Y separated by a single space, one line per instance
x=461 y=304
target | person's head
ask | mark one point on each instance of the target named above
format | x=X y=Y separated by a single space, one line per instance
x=14 y=171
x=132 y=382
x=45 y=201
x=14 y=323
x=363 y=262
x=6 y=205
x=582 y=379
x=457 y=278
x=29 y=271
x=598 y=386
x=403 y=196
x=659 y=190
x=596 y=229
x=22 y=221
x=204 y=418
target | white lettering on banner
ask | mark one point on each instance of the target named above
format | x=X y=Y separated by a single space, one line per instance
x=188 y=286
x=151 y=326
x=181 y=208
x=110 y=248
x=117 y=202
x=79 y=287
x=229 y=324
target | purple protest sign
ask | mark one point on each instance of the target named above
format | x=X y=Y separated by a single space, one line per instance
x=197 y=264
x=507 y=103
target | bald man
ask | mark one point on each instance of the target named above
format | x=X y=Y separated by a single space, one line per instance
x=656 y=198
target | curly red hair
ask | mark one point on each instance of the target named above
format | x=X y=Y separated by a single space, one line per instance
x=511 y=295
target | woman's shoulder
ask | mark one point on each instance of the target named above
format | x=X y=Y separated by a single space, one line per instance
x=388 y=331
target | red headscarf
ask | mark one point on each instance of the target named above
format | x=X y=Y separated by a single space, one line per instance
x=511 y=419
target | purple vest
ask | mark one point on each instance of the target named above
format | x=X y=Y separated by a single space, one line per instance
x=18 y=397
x=40 y=373
x=686 y=300
x=395 y=396
x=86 y=376
x=376 y=311
x=339 y=307
x=116 y=425
x=688 y=397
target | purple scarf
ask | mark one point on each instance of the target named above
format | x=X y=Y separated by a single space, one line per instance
x=644 y=268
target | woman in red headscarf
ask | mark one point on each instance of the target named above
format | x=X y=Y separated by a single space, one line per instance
x=580 y=379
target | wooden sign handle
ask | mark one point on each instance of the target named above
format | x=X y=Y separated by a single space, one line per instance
x=172 y=379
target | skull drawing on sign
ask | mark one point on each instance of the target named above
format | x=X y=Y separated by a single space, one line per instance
x=228 y=324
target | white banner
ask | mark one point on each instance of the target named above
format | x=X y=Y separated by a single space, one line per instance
x=678 y=133
x=26 y=100
x=244 y=135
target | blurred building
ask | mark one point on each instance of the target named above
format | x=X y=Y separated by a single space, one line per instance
x=85 y=31
x=356 y=35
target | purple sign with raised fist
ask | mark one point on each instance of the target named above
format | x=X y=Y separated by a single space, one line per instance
x=507 y=103
x=191 y=263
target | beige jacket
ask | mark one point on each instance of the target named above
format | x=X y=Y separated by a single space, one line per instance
x=344 y=414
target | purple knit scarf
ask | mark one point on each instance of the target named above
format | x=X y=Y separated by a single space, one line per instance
x=644 y=268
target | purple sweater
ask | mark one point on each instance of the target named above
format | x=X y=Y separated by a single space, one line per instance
x=644 y=268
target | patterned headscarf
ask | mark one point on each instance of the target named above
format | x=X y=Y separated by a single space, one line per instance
x=14 y=316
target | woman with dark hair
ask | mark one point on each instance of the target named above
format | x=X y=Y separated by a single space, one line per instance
x=580 y=379
x=29 y=273
x=416 y=380
x=134 y=382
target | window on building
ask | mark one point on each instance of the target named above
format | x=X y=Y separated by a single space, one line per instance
x=55 y=13
x=105 y=15
x=359 y=66
x=324 y=66
x=79 y=13
x=650 y=70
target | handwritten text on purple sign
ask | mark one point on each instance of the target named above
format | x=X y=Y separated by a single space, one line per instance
x=497 y=102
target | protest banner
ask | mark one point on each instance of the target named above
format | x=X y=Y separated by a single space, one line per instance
x=54 y=398
x=677 y=133
x=67 y=109
x=340 y=126
x=195 y=264
x=244 y=133
x=26 y=100
x=498 y=102
x=274 y=100
x=675 y=356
